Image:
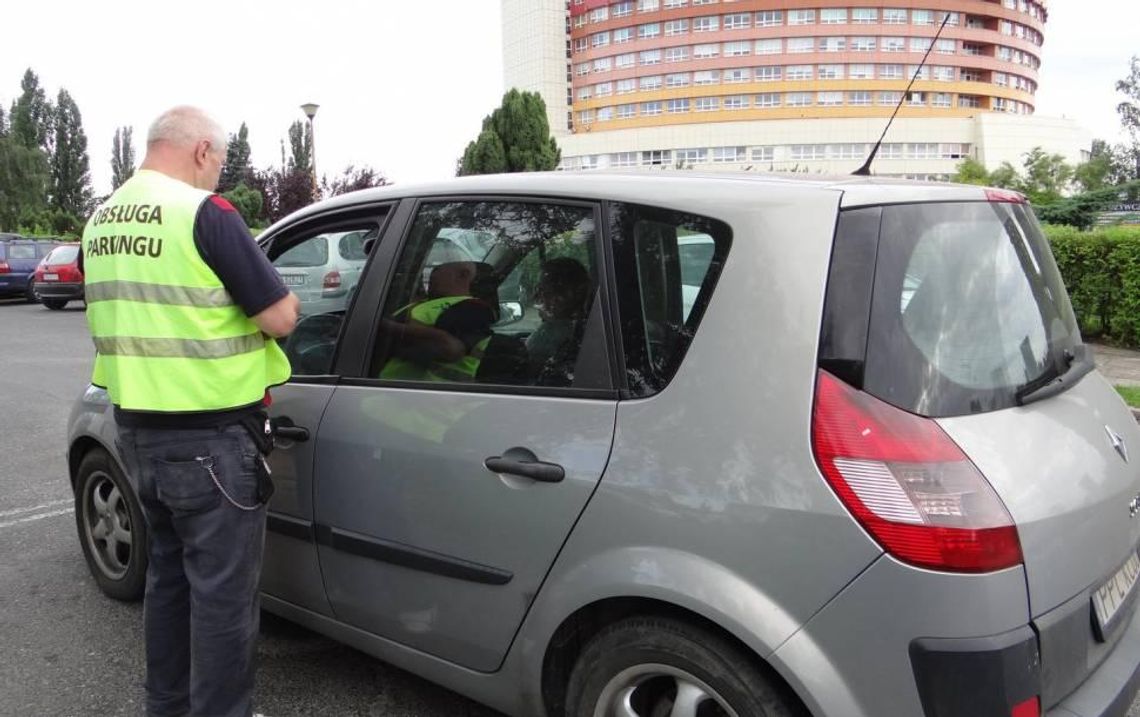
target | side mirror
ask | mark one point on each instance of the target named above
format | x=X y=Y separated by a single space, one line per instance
x=510 y=312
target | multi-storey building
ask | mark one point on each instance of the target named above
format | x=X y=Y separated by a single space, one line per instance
x=803 y=85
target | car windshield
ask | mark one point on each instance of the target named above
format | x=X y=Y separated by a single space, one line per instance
x=968 y=306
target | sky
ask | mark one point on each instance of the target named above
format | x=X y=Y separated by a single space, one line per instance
x=402 y=86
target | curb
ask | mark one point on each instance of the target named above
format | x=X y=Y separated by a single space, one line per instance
x=1136 y=414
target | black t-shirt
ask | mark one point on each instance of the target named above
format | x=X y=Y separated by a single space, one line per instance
x=469 y=321
x=227 y=247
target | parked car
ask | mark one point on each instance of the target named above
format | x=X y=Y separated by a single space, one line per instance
x=18 y=260
x=323 y=271
x=59 y=277
x=868 y=469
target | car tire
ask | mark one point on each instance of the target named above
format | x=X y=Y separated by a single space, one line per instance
x=642 y=665
x=111 y=527
x=30 y=294
x=55 y=304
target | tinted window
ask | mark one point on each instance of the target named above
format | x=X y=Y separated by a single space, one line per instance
x=667 y=264
x=62 y=255
x=21 y=251
x=491 y=292
x=967 y=307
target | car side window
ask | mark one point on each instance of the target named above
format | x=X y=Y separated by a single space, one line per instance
x=667 y=264
x=490 y=292
x=323 y=268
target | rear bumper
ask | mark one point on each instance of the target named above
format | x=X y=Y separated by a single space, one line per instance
x=58 y=290
x=1109 y=691
x=13 y=283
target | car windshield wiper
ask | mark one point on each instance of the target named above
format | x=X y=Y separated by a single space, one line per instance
x=1055 y=380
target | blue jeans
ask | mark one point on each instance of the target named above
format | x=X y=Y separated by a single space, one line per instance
x=201 y=611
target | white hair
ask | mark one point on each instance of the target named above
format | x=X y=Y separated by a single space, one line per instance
x=185 y=125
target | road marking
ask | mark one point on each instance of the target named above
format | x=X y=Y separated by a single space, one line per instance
x=41 y=516
x=33 y=508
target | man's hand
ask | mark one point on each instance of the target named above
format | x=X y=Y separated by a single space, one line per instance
x=280 y=318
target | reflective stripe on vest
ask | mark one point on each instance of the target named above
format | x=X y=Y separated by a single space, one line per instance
x=167 y=334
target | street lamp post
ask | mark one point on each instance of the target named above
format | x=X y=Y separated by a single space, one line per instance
x=310 y=110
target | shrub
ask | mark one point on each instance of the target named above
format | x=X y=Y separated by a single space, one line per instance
x=1101 y=270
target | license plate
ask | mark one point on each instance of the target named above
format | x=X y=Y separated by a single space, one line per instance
x=1110 y=597
x=51 y=277
x=293 y=279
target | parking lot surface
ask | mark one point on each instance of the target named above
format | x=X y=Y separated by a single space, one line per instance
x=68 y=650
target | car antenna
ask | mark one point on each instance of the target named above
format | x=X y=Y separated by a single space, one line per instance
x=865 y=170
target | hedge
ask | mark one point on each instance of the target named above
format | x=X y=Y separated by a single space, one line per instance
x=1101 y=270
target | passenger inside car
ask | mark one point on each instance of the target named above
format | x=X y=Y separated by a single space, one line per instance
x=561 y=298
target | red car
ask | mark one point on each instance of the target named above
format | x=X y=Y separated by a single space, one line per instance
x=59 y=277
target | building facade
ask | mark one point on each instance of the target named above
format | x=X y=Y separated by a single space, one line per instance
x=787 y=85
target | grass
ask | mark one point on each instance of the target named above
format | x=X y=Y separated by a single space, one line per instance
x=1131 y=395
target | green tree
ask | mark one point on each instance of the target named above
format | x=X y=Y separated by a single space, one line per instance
x=515 y=138
x=1047 y=176
x=1129 y=111
x=3 y=124
x=301 y=146
x=32 y=115
x=70 y=166
x=1006 y=177
x=247 y=201
x=237 y=167
x=353 y=179
x=122 y=157
x=1097 y=172
x=971 y=171
x=24 y=179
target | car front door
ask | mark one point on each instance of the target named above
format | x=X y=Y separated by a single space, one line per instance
x=446 y=488
x=300 y=254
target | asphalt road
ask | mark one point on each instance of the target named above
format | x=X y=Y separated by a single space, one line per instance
x=68 y=651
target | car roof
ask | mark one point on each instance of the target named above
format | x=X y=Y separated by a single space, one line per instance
x=661 y=188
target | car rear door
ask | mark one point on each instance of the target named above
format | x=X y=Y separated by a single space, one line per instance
x=442 y=503
x=291 y=571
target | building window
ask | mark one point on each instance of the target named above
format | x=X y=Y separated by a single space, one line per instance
x=830 y=72
x=772 y=46
x=971 y=75
x=581 y=44
x=656 y=157
x=580 y=21
x=738 y=48
x=627 y=60
x=863 y=44
x=707 y=104
x=764 y=154
x=832 y=44
x=801 y=17
x=737 y=21
x=954 y=19
x=861 y=72
x=649 y=29
x=916 y=99
x=890 y=72
x=769 y=74
x=922 y=17
x=605 y=114
x=942 y=73
x=769 y=18
x=677 y=79
x=833 y=16
x=729 y=154
x=582 y=69
x=864 y=15
x=891 y=150
x=947 y=47
x=802 y=152
x=740 y=74
x=708 y=23
x=696 y=155
x=602 y=64
x=706 y=77
x=623 y=35
x=939 y=99
x=622 y=9
x=954 y=151
x=585 y=117
x=894 y=44
x=653 y=82
x=800 y=72
x=922 y=150
x=624 y=87
x=705 y=51
x=919 y=44
x=676 y=54
x=650 y=57
x=676 y=106
x=768 y=99
x=894 y=16
x=650 y=108
x=600 y=14
x=585 y=93
x=918 y=72
x=889 y=99
x=623 y=159
x=599 y=39
x=799 y=99
x=846 y=151
x=801 y=44
x=859 y=99
x=736 y=102
x=626 y=111
x=829 y=99
x=603 y=89
x=648 y=5
x=676 y=27
x=669 y=4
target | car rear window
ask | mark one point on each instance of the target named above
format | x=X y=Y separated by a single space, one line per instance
x=62 y=255
x=22 y=251
x=945 y=309
x=314 y=252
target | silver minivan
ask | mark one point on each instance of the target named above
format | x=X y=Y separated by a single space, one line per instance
x=768 y=447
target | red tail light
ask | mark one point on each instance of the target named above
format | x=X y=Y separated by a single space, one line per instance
x=69 y=273
x=1029 y=708
x=4 y=268
x=332 y=280
x=908 y=484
